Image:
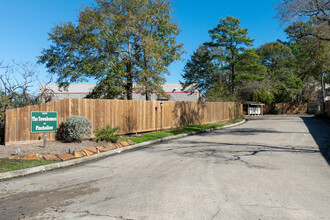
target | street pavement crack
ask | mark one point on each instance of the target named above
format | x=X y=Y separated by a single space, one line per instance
x=88 y=213
x=213 y=217
x=272 y=207
x=240 y=205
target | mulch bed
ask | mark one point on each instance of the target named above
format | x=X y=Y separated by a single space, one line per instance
x=52 y=147
x=63 y=156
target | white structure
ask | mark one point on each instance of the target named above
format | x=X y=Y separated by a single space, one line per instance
x=79 y=91
x=254 y=110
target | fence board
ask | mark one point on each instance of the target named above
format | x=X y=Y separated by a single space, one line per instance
x=286 y=108
x=130 y=116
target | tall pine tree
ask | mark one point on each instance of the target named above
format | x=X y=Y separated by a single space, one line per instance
x=233 y=39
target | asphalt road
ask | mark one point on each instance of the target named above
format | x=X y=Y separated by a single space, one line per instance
x=267 y=168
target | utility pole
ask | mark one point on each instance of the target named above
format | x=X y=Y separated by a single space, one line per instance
x=161 y=116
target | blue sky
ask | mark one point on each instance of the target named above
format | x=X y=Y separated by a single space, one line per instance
x=24 y=24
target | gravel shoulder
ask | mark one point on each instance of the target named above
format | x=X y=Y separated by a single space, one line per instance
x=52 y=147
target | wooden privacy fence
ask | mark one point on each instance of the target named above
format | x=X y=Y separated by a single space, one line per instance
x=130 y=115
x=287 y=108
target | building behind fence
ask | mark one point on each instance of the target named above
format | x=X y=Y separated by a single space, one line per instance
x=130 y=115
x=175 y=92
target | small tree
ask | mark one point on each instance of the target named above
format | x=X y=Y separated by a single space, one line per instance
x=201 y=71
x=17 y=82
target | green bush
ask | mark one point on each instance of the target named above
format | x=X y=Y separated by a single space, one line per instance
x=277 y=111
x=108 y=134
x=74 y=129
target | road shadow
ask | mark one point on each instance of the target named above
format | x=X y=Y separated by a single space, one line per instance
x=227 y=152
x=250 y=131
x=320 y=131
x=188 y=113
x=288 y=118
x=224 y=153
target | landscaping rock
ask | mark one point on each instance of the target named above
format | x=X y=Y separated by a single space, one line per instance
x=110 y=147
x=87 y=152
x=107 y=148
x=15 y=157
x=113 y=146
x=32 y=156
x=51 y=157
x=102 y=149
x=77 y=154
x=66 y=156
x=124 y=143
x=92 y=149
x=118 y=145
x=130 y=142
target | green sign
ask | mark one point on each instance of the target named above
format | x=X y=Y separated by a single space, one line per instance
x=43 y=122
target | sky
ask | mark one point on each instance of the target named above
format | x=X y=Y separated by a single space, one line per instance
x=24 y=25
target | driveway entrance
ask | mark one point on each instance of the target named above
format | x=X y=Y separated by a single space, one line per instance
x=267 y=168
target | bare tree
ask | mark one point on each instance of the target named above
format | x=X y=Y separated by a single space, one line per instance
x=19 y=82
x=46 y=94
x=314 y=13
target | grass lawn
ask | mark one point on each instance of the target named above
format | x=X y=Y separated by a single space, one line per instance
x=239 y=119
x=181 y=130
x=10 y=165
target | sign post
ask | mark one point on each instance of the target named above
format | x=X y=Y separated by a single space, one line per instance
x=43 y=122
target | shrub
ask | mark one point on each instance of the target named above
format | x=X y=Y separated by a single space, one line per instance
x=277 y=111
x=74 y=129
x=108 y=134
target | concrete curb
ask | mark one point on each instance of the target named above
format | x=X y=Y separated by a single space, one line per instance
x=49 y=167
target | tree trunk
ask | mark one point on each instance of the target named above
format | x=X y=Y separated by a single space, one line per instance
x=129 y=95
x=232 y=71
x=232 y=79
x=129 y=86
x=129 y=65
x=323 y=94
x=148 y=96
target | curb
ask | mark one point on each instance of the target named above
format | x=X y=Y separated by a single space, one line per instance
x=49 y=167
